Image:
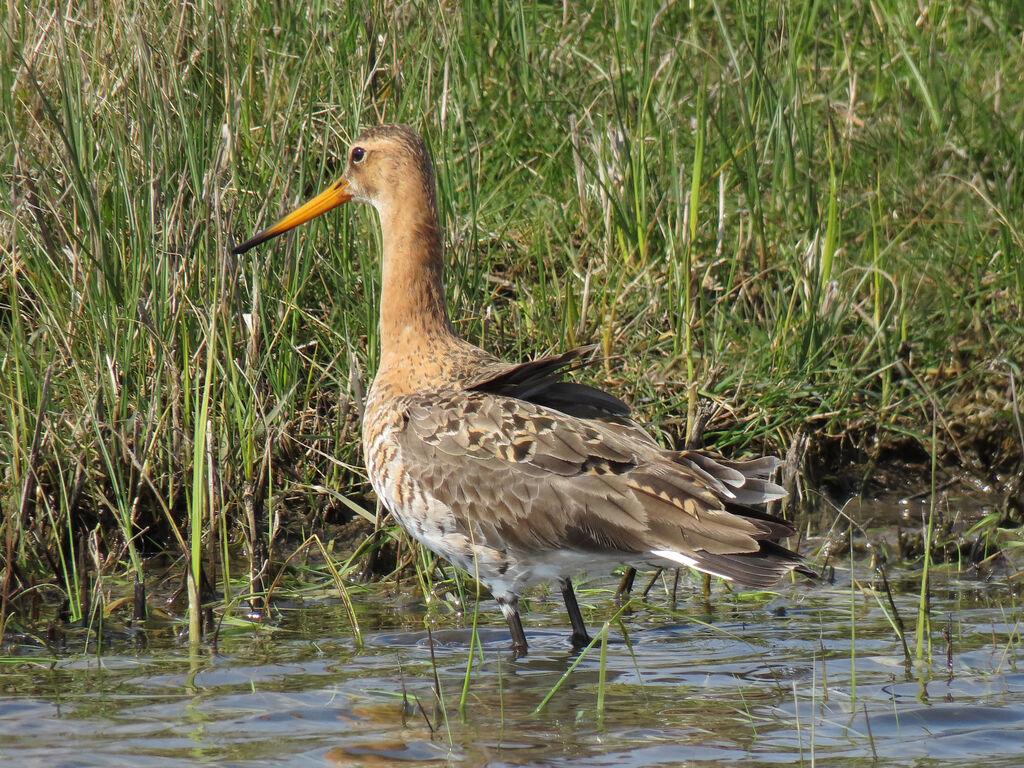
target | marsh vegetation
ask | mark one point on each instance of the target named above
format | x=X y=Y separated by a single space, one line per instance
x=793 y=228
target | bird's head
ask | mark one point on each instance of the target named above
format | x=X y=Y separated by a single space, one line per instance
x=385 y=164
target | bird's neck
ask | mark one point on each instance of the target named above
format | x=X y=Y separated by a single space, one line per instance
x=413 y=315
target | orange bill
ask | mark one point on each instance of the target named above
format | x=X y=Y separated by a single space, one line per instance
x=332 y=197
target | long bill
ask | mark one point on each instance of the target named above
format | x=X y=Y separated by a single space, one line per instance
x=330 y=198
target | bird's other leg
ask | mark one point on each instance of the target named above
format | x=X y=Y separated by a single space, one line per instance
x=653 y=581
x=510 y=607
x=626 y=584
x=580 y=637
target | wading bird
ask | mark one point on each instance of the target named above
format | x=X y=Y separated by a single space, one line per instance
x=510 y=472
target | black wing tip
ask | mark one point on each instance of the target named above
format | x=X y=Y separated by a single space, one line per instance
x=762 y=569
x=806 y=571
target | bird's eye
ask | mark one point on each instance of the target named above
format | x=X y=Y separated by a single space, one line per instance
x=358 y=153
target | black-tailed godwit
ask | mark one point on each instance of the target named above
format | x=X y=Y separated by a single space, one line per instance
x=510 y=472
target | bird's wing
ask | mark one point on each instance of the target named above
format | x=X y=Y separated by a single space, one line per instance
x=542 y=382
x=535 y=478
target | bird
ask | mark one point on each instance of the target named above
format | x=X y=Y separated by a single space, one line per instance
x=513 y=472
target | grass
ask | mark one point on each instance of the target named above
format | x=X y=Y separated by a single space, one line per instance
x=809 y=217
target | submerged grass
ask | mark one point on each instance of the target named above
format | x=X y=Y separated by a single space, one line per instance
x=808 y=218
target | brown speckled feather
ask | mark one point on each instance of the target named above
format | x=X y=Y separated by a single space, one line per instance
x=530 y=479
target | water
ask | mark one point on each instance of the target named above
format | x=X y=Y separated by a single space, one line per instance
x=758 y=680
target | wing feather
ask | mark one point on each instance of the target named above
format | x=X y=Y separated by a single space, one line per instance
x=534 y=478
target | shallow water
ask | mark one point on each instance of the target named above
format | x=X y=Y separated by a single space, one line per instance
x=752 y=679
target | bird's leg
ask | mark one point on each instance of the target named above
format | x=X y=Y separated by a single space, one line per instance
x=653 y=581
x=626 y=585
x=580 y=637
x=510 y=607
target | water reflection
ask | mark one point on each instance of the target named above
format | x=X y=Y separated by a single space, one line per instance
x=757 y=680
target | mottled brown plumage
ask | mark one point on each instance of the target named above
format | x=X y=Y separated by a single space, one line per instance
x=510 y=472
